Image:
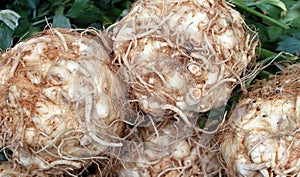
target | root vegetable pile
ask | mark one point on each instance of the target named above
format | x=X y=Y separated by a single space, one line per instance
x=73 y=100
x=58 y=102
x=183 y=56
x=263 y=137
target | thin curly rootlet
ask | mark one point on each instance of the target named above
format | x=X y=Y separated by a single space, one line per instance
x=184 y=56
x=58 y=102
x=262 y=136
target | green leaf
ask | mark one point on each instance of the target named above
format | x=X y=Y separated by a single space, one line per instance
x=105 y=19
x=104 y=4
x=42 y=10
x=125 y=5
x=272 y=11
x=10 y=18
x=83 y=11
x=55 y=2
x=264 y=17
x=289 y=44
x=115 y=1
x=292 y=17
x=24 y=4
x=277 y=3
x=270 y=7
x=59 y=20
x=274 y=33
x=6 y=37
x=32 y=3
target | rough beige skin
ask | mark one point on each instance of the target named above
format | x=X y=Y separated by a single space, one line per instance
x=58 y=101
x=174 y=149
x=262 y=138
x=9 y=169
x=184 y=56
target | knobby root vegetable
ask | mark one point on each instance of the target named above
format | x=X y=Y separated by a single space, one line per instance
x=171 y=149
x=184 y=56
x=59 y=101
x=262 y=137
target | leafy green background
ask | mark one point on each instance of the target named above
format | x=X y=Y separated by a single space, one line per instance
x=60 y=13
x=284 y=31
x=278 y=25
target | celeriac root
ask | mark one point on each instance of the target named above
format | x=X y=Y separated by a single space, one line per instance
x=185 y=54
x=262 y=136
x=59 y=100
x=169 y=149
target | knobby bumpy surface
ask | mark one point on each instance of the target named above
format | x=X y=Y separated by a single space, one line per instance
x=58 y=100
x=184 y=56
x=169 y=149
x=262 y=137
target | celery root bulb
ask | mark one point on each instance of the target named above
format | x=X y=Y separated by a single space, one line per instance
x=262 y=137
x=184 y=56
x=58 y=101
x=173 y=149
